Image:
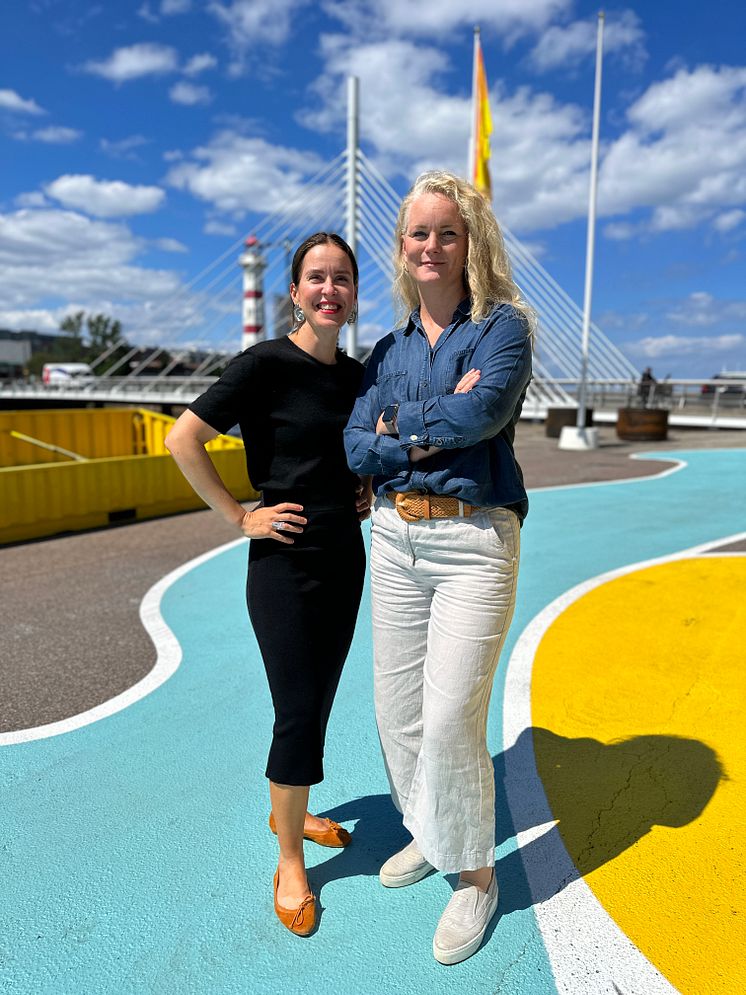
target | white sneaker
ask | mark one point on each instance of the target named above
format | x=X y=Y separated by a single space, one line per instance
x=464 y=922
x=405 y=867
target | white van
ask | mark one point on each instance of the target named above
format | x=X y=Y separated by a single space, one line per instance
x=64 y=372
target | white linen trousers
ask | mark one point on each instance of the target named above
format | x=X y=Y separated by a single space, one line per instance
x=443 y=593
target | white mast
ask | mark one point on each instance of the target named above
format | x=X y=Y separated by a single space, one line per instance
x=580 y=437
x=353 y=89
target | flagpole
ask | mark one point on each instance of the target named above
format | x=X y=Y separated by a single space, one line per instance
x=351 y=225
x=581 y=437
x=471 y=166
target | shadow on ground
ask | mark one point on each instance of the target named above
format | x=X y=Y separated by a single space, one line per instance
x=601 y=797
x=604 y=797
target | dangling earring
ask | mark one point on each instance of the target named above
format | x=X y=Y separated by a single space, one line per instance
x=298 y=315
x=352 y=317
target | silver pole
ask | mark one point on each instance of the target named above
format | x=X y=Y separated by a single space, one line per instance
x=470 y=166
x=591 y=226
x=353 y=89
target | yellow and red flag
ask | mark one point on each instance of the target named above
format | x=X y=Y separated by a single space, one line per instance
x=481 y=124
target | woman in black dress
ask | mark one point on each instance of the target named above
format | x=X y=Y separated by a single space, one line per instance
x=291 y=398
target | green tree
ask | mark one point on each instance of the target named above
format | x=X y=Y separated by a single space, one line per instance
x=72 y=324
x=70 y=348
x=103 y=332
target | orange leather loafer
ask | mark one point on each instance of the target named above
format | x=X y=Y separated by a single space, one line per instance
x=334 y=835
x=300 y=921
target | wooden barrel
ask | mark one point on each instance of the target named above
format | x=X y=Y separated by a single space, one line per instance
x=558 y=418
x=642 y=424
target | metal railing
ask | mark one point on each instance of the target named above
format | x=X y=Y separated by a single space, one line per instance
x=694 y=402
x=127 y=389
x=675 y=395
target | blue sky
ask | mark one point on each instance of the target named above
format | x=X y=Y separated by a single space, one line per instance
x=139 y=141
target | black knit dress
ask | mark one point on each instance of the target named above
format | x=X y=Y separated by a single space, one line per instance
x=303 y=598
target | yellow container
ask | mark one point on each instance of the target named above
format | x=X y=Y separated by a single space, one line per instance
x=56 y=496
x=91 y=433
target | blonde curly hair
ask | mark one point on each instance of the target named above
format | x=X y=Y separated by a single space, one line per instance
x=488 y=276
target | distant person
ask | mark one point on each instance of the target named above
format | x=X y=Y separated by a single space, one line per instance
x=291 y=397
x=435 y=423
x=647 y=384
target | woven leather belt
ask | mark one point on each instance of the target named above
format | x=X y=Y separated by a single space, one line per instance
x=413 y=506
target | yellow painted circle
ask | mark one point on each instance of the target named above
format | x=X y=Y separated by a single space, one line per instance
x=638 y=707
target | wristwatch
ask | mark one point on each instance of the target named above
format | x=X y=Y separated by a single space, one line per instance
x=388 y=415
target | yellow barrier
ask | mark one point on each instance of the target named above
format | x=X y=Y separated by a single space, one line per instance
x=150 y=429
x=94 y=433
x=127 y=473
x=45 y=500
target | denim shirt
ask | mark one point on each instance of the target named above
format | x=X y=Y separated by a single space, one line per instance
x=474 y=431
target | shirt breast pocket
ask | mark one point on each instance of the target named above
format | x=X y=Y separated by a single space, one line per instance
x=391 y=388
x=458 y=364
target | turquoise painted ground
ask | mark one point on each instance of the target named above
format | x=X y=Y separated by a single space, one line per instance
x=134 y=852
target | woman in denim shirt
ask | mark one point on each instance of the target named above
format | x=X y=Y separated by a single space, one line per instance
x=434 y=425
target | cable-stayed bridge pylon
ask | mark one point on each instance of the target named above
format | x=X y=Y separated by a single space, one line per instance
x=350 y=195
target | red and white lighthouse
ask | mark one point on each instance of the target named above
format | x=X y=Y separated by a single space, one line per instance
x=254 y=264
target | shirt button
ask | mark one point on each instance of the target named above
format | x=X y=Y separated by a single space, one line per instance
x=413 y=438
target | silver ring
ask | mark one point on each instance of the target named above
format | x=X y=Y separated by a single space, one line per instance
x=279 y=526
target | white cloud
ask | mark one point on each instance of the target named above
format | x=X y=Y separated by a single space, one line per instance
x=695 y=334
x=540 y=162
x=53 y=262
x=537 y=249
x=189 y=94
x=147 y=14
x=104 y=198
x=655 y=347
x=37 y=319
x=701 y=309
x=440 y=18
x=33 y=198
x=684 y=155
x=688 y=97
x=214 y=226
x=199 y=63
x=135 y=61
x=170 y=245
x=680 y=162
x=563 y=44
x=124 y=148
x=56 y=135
x=256 y=23
x=49 y=256
x=238 y=174
x=167 y=8
x=729 y=220
x=570 y=44
x=627 y=320
x=11 y=101
x=621 y=231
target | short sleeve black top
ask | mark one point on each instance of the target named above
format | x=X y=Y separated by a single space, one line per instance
x=291 y=409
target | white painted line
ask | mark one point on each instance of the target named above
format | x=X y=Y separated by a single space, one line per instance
x=588 y=952
x=166 y=664
x=678 y=465
x=169 y=651
x=648 y=456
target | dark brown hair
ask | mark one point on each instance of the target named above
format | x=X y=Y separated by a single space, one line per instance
x=321 y=238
